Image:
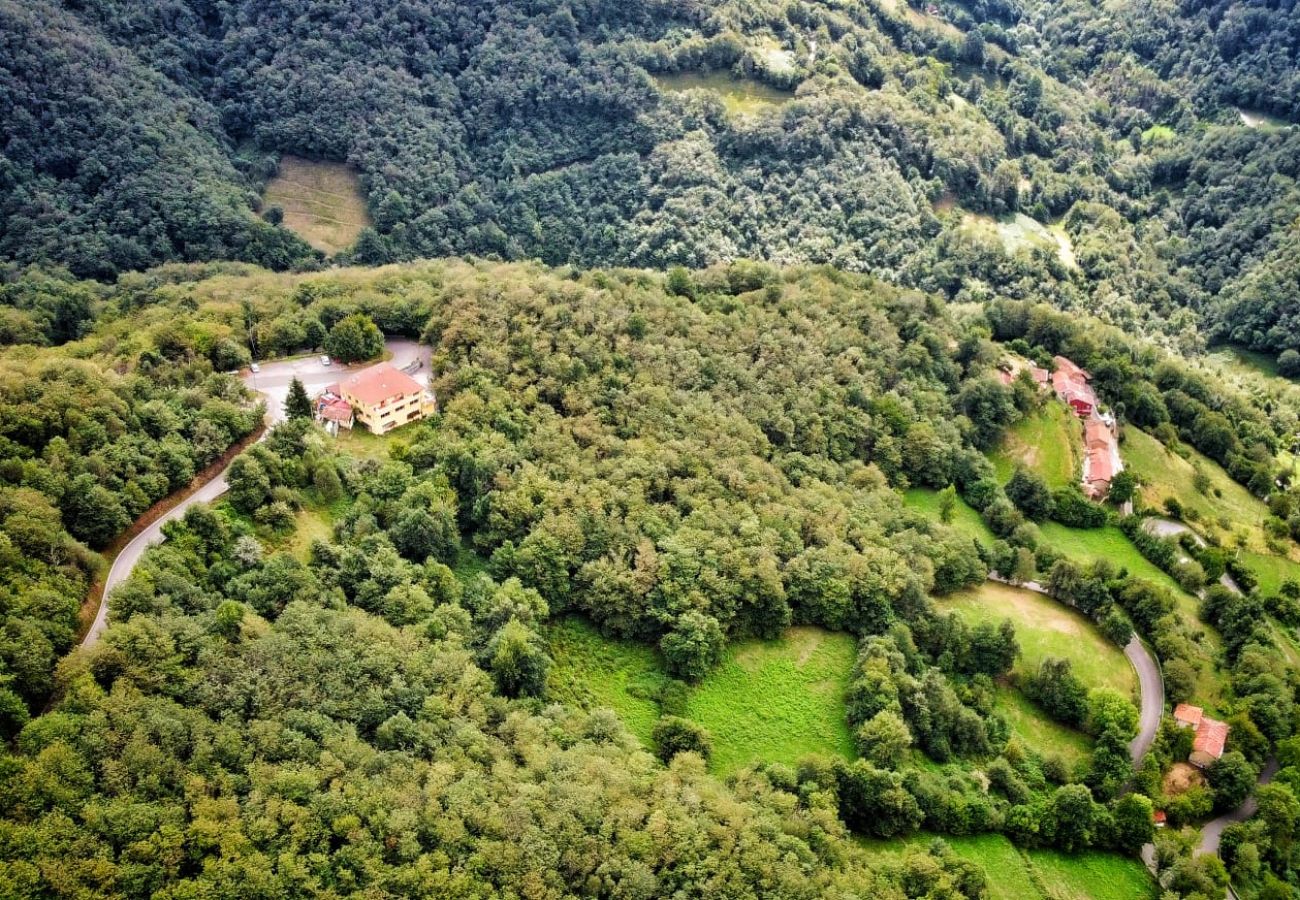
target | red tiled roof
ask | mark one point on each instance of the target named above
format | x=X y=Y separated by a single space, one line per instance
x=1042 y=376
x=337 y=411
x=1070 y=369
x=1159 y=817
x=376 y=384
x=1096 y=434
x=1100 y=467
x=1005 y=377
x=1184 y=712
x=1210 y=737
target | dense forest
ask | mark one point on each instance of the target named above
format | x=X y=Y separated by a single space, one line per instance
x=683 y=459
x=141 y=133
x=730 y=310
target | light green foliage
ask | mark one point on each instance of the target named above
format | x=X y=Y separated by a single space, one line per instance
x=1047 y=443
x=776 y=701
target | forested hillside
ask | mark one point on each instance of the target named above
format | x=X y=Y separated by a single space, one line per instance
x=887 y=139
x=685 y=460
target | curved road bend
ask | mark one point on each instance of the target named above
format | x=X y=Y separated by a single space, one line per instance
x=1212 y=831
x=1151 y=686
x=272 y=382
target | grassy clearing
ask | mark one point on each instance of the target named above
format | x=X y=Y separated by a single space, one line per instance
x=965 y=519
x=1225 y=503
x=768 y=701
x=1048 y=442
x=312 y=523
x=322 y=202
x=1046 y=628
x=1016 y=874
x=363 y=444
x=1036 y=731
x=1091 y=876
x=741 y=97
x=1271 y=570
x=777 y=701
x=593 y=671
x=1165 y=474
x=1019 y=233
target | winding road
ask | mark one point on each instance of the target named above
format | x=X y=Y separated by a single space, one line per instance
x=272 y=382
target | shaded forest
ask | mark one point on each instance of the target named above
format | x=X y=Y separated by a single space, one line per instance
x=519 y=130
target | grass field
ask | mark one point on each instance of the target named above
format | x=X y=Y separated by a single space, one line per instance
x=777 y=701
x=593 y=671
x=1047 y=442
x=768 y=701
x=1044 y=629
x=1016 y=874
x=322 y=202
x=1165 y=474
x=965 y=519
x=741 y=97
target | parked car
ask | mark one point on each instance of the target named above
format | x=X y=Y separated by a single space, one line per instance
x=324 y=360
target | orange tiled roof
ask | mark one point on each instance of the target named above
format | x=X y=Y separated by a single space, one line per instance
x=1211 y=735
x=376 y=384
x=1096 y=434
x=1072 y=371
x=1184 y=712
x=1099 y=466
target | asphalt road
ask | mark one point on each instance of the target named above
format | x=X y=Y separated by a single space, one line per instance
x=1212 y=831
x=273 y=383
x=1151 y=689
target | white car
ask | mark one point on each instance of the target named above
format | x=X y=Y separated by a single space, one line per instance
x=254 y=368
x=324 y=360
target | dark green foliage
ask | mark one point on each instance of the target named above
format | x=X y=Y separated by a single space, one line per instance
x=673 y=735
x=518 y=661
x=297 y=405
x=1232 y=778
x=1059 y=691
x=1030 y=493
x=354 y=338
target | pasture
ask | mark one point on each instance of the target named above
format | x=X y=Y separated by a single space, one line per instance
x=322 y=202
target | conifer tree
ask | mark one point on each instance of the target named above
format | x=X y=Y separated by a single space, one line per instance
x=297 y=405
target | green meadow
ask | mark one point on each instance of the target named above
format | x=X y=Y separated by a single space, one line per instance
x=1015 y=874
x=767 y=701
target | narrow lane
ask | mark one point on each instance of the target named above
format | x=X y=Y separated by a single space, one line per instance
x=272 y=382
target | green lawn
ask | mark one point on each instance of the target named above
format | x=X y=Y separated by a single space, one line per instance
x=741 y=97
x=1048 y=442
x=777 y=701
x=593 y=671
x=965 y=519
x=1165 y=474
x=1271 y=570
x=1036 y=731
x=1046 y=628
x=1015 y=874
x=768 y=701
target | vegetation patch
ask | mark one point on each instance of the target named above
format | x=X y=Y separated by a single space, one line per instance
x=777 y=701
x=1047 y=442
x=741 y=96
x=1046 y=628
x=1016 y=874
x=321 y=201
x=592 y=671
x=964 y=517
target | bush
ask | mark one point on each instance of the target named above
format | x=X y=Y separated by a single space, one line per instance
x=673 y=735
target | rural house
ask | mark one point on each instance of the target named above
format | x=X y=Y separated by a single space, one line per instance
x=1210 y=734
x=1071 y=384
x=380 y=397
